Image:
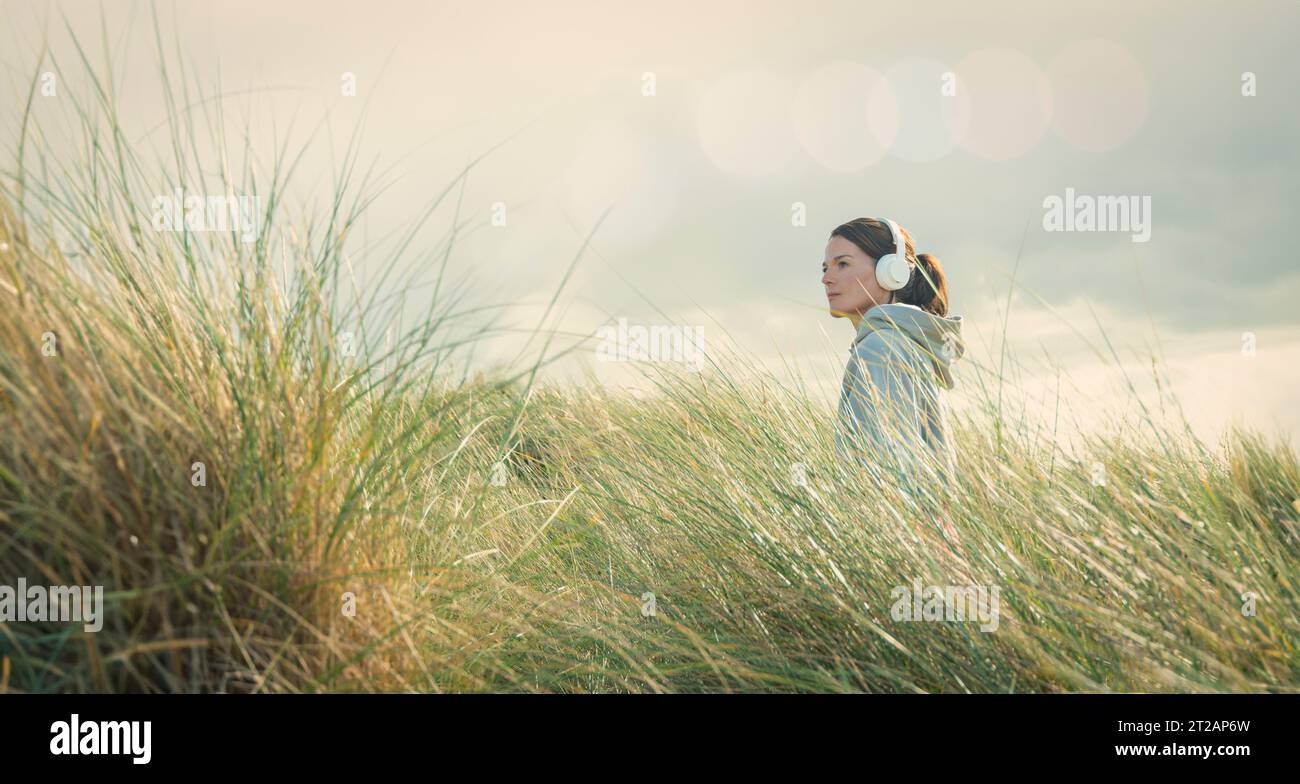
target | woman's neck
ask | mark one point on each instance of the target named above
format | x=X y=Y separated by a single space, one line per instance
x=856 y=318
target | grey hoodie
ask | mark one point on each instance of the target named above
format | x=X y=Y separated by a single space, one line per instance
x=890 y=406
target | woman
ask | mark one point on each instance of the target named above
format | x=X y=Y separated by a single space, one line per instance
x=891 y=415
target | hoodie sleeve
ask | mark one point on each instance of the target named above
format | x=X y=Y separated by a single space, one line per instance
x=880 y=403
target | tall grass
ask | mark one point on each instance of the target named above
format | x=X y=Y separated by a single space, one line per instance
x=496 y=534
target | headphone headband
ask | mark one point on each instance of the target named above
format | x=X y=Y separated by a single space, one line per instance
x=899 y=248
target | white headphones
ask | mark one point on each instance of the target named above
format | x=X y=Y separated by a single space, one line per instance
x=892 y=269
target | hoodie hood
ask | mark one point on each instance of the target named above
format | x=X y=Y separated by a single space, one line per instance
x=939 y=336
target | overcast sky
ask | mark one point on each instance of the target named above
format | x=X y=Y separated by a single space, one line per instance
x=704 y=123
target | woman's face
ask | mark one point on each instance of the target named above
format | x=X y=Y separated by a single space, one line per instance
x=849 y=276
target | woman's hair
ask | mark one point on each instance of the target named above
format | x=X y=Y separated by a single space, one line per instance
x=927 y=288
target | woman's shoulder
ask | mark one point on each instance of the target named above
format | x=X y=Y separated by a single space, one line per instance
x=883 y=343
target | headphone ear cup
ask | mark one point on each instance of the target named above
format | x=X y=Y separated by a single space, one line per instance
x=892 y=272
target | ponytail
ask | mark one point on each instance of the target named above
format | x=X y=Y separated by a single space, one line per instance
x=927 y=288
